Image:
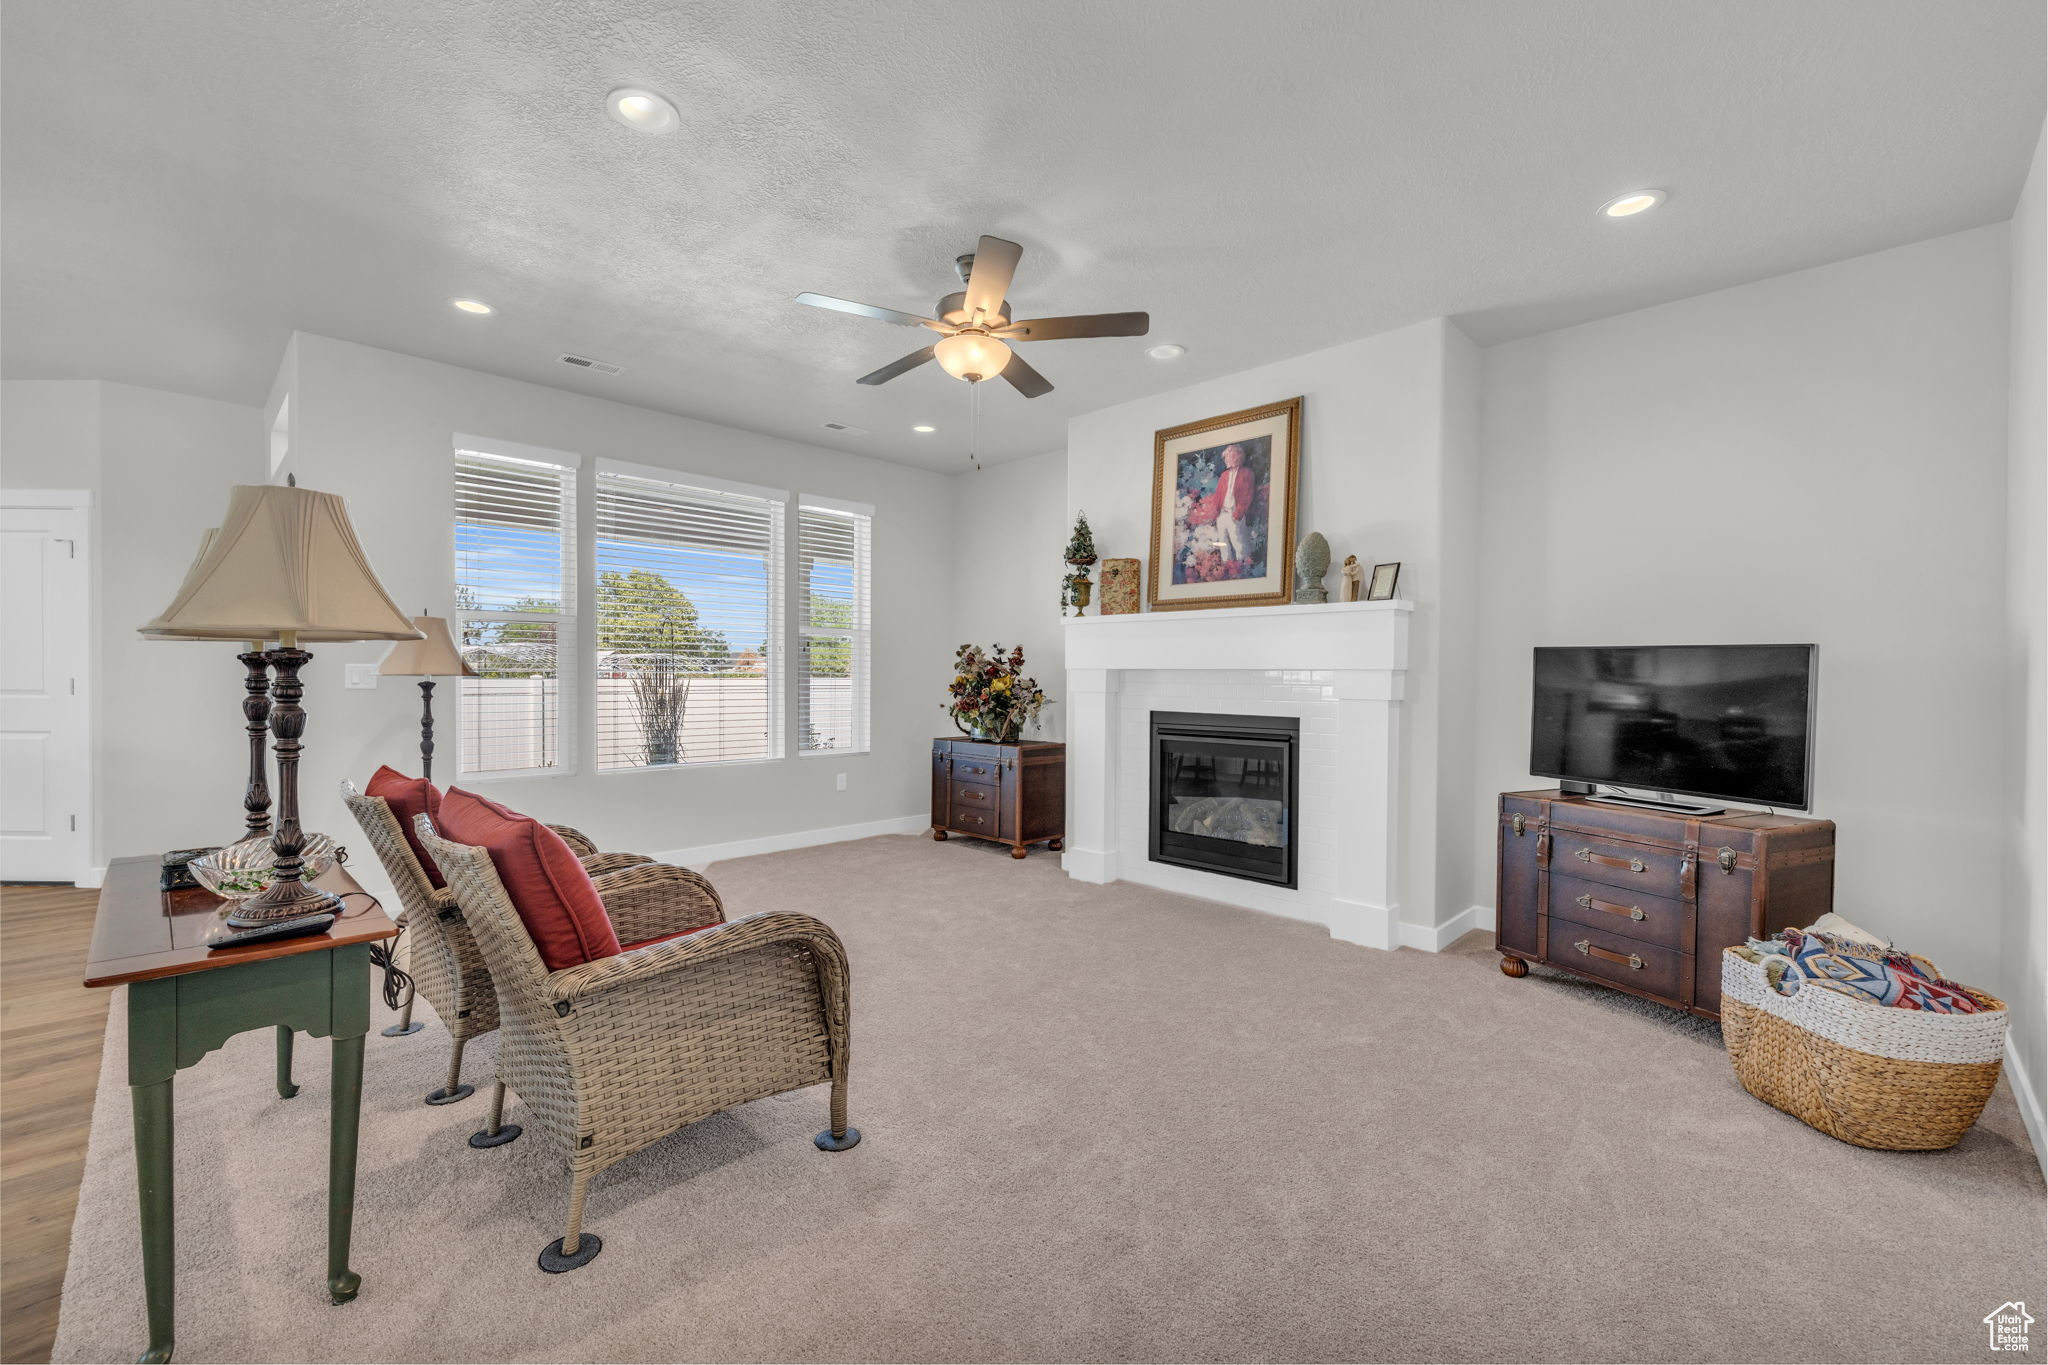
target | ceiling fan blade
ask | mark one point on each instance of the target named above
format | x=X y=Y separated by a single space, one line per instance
x=995 y=261
x=869 y=310
x=1024 y=379
x=896 y=367
x=1094 y=325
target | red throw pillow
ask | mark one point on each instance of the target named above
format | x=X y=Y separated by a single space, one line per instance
x=549 y=888
x=407 y=797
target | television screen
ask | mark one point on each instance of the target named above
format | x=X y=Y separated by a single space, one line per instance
x=1733 y=722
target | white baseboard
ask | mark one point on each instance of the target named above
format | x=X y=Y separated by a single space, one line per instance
x=94 y=878
x=2029 y=1101
x=1436 y=938
x=704 y=855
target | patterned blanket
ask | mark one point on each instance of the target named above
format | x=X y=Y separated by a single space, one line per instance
x=1795 y=959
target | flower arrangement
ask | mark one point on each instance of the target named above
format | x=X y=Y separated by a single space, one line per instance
x=991 y=697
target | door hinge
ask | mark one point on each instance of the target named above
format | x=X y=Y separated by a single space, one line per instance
x=74 y=824
x=74 y=687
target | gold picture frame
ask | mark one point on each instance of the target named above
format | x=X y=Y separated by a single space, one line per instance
x=1203 y=551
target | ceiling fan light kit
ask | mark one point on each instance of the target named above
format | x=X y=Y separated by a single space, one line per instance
x=972 y=356
x=977 y=336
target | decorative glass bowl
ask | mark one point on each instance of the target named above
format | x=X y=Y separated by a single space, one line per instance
x=244 y=869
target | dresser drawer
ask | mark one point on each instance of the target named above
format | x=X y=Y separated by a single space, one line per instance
x=975 y=799
x=1617 y=910
x=1642 y=868
x=988 y=823
x=1613 y=957
x=973 y=768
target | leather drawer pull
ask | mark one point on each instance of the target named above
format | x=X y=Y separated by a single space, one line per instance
x=1632 y=911
x=975 y=818
x=973 y=795
x=1633 y=962
x=979 y=772
x=1587 y=855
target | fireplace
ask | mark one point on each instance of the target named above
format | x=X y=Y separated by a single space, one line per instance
x=1224 y=794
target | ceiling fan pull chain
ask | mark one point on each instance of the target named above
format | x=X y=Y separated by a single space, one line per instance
x=974 y=425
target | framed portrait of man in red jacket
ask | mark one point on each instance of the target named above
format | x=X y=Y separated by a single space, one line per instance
x=1223 y=499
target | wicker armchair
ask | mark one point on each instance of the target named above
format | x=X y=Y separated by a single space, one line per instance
x=613 y=1055
x=444 y=961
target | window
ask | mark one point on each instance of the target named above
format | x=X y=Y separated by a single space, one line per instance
x=832 y=626
x=515 y=599
x=689 y=619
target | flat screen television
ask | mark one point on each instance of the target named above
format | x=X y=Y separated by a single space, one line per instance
x=1726 y=722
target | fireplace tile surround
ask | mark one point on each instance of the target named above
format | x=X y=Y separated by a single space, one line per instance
x=1338 y=668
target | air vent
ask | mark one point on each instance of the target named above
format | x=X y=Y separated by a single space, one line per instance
x=845 y=427
x=584 y=362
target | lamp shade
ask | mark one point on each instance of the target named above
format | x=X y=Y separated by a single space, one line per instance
x=285 y=562
x=432 y=656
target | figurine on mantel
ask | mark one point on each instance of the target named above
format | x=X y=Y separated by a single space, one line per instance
x=1311 y=562
x=1354 y=579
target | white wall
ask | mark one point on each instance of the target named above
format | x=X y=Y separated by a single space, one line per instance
x=168 y=752
x=1387 y=474
x=378 y=428
x=1010 y=528
x=1818 y=457
x=2025 y=938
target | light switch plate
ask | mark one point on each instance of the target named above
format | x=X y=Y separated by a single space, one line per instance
x=356 y=676
x=842 y=781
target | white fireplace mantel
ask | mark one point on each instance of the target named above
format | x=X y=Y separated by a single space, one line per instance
x=1351 y=636
x=1340 y=666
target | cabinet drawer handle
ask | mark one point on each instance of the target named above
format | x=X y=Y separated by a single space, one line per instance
x=979 y=772
x=974 y=794
x=1587 y=855
x=1591 y=902
x=1635 y=964
x=975 y=818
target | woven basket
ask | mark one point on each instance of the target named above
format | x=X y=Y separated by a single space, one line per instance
x=1900 y=1080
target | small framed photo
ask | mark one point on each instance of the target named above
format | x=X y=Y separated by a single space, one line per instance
x=1381 y=586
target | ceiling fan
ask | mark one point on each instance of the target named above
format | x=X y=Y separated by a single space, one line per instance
x=975 y=326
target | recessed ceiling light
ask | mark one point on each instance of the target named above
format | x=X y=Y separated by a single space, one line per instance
x=472 y=305
x=1168 y=351
x=924 y=428
x=642 y=109
x=1632 y=203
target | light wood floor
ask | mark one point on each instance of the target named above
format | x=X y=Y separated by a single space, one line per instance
x=51 y=1032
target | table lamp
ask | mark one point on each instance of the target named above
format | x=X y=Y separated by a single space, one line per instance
x=432 y=656
x=255 y=714
x=285 y=565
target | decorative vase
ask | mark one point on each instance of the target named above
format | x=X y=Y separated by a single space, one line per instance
x=1082 y=591
x=1004 y=731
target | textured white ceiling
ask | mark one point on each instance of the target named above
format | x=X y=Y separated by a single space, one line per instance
x=186 y=182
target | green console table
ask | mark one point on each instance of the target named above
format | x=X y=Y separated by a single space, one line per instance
x=185 y=1000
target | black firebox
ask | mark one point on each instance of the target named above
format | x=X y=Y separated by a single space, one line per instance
x=1224 y=790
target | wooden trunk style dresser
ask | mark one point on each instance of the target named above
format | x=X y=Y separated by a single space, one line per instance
x=1645 y=901
x=1015 y=794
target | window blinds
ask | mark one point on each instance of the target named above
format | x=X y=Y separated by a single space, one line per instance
x=832 y=666
x=515 y=597
x=689 y=588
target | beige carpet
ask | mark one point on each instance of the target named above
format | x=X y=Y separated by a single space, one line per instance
x=1103 y=1123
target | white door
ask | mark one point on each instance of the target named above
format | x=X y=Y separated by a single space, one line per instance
x=45 y=743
